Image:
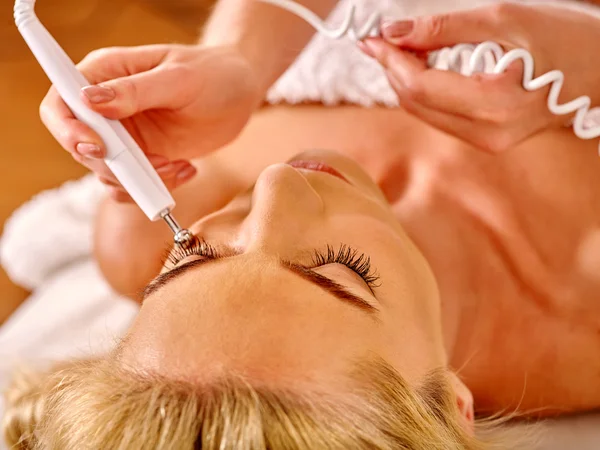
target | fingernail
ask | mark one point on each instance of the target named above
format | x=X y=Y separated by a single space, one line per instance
x=365 y=49
x=373 y=46
x=158 y=160
x=89 y=150
x=186 y=173
x=391 y=30
x=166 y=170
x=99 y=94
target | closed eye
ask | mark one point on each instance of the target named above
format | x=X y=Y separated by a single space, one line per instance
x=210 y=256
x=359 y=263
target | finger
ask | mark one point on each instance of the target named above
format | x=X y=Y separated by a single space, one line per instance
x=487 y=137
x=66 y=129
x=491 y=98
x=451 y=124
x=116 y=62
x=183 y=176
x=112 y=182
x=484 y=137
x=158 y=160
x=513 y=75
x=172 y=180
x=444 y=30
x=442 y=90
x=484 y=97
x=98 y=66
x=171 y=170
x=177 y=174
x=124 y=82
x=98 y=166
x=173 y=175
x=119 y=195
x=123 y=97
x=165 y=169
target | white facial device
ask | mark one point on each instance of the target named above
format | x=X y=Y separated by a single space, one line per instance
x=124 y=157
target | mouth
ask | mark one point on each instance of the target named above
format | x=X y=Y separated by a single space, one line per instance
x=317 y=166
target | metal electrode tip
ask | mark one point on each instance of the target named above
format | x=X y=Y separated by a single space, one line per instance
x=182 y=237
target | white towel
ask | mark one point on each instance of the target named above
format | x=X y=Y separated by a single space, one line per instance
x=46 y=248
x=49 y=232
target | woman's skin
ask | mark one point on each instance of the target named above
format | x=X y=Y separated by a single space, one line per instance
x=508 y=238
x=512 y=239
x=256 y=307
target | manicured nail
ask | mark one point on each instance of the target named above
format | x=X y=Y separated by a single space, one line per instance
x=392 y=30
x=186 y=173
x=373 y=46
x=89 y=150
x=366 y=50
x=99 y=94
x=169 y=169
x=158 y=160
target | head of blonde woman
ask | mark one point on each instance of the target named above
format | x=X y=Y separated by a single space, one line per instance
x=302 y=317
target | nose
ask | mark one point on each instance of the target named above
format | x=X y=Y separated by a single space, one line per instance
x=284 y=206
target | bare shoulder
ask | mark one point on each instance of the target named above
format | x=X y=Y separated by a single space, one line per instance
x=537 y=364
x=541 y=346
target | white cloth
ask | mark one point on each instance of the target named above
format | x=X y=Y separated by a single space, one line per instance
x=52 y=230
x=46 y=248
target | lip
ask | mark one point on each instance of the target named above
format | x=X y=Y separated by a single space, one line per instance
x=318 y=166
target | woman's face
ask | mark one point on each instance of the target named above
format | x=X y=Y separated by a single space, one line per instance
x=260 y=303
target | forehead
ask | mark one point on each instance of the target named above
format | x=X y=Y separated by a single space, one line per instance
x=236 y=282
x=250 y=314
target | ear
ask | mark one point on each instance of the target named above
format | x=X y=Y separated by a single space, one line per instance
x=464 y=401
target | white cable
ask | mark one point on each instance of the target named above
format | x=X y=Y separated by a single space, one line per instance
x=347 y=29
x=478 y=59
x=487 y=57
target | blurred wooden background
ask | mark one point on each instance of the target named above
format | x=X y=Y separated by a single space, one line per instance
x=30 y=160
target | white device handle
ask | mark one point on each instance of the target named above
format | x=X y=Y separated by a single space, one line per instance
x=124 y=156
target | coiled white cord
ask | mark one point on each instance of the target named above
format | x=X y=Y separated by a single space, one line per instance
x=488 y=57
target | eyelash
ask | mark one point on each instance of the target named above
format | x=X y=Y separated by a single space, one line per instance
x=359 y=263
x=197 y=247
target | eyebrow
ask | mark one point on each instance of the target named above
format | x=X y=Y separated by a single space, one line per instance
x=332 y=287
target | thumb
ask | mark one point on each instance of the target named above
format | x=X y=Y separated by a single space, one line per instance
x=445 y=30
x=161 y=87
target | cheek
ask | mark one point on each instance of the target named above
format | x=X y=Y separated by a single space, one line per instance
x=218 y=229
x=412 y=355
x=391 y=251
x=407 y=295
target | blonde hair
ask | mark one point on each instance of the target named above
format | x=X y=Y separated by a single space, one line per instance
x=96 y=404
